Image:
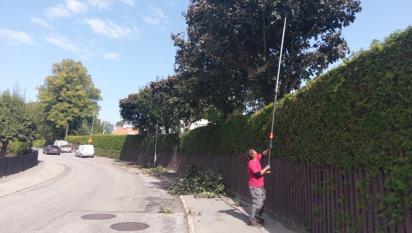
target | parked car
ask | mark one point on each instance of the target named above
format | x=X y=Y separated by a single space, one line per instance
x=85 y=151
x=60 y=143
x=66 y=148
x=51 y=150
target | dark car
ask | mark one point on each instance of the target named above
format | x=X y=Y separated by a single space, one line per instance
x=51 y=150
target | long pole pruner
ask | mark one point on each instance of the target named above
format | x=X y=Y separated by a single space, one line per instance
x=271 y=136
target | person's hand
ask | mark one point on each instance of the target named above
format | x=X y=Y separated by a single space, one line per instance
x=268 y=172
x=266 y=152
x=267 y=167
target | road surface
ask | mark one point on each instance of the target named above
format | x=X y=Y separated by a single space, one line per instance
x=87 y=195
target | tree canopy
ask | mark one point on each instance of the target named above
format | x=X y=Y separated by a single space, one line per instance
x=226 y=62
x=68 y=96
x=230 y=53
x=16 y=121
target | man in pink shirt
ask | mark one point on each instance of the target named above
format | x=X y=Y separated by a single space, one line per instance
x=256 y=185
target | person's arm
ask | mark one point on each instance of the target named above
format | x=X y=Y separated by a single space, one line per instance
x=265 y=152
x=262 y=172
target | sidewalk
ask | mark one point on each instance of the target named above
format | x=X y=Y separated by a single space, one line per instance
x=214 y=215
x=43 y=172
x=217 y=215
x=220 y=214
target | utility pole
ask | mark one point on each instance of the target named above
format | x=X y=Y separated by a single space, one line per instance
x=67 y=130
x=90 y=141
x=155 y=151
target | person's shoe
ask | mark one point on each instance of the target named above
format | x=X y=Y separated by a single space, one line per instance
x=260 y=220
x=253 y=223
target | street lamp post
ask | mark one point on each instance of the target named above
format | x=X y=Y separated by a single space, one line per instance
x=155 y=150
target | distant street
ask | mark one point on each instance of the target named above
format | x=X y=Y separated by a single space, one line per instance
x=89 y=195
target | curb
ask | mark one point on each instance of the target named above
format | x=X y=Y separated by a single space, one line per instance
x=189 y=218
x=50 y=179
x=230 y=202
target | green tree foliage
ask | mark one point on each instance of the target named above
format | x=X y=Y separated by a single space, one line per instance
x=229 y=55
x=107 y=127
x=36 y=110
x=120 y=123
x=358 y=115
x=164 y=103
x=139 y=110
x=68 y=97
x=99 y=127
x=16 y=121
x=174 y=104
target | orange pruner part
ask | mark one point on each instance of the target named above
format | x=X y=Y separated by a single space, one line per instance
x=271 y=135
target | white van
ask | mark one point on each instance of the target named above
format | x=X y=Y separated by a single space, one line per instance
x=85 y=151
x=60 y=143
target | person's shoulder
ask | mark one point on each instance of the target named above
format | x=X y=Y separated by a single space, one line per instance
x=252 y=161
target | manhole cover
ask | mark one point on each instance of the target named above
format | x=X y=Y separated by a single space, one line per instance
x=98 y=216
x=129 y=226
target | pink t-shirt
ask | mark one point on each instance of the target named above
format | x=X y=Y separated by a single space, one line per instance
x=254 y=166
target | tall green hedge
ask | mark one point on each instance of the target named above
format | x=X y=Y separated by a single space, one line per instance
x=105 y=145
x=356 y=115
x=127 y=146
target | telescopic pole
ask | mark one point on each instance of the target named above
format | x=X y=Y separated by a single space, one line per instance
x=276 y=94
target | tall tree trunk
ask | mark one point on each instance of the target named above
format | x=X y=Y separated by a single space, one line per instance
x=67 y=131
x=4 y=148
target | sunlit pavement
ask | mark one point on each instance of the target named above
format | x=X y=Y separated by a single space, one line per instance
x=88 y=195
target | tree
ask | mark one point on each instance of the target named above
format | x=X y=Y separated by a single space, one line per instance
x=68 y=97
x=99 y=127
x=164 y=103
x=16 y=122
x=230 y=55
x=174 y=107
x=139 y=110
x=107 y=127
x=120 y=123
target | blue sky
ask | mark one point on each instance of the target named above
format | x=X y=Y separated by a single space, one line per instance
x=126 y=43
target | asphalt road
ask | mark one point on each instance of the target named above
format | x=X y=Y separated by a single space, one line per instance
x=89 y=188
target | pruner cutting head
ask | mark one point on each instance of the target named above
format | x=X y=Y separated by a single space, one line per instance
x=271 y=136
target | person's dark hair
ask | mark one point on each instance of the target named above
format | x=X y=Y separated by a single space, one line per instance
x=249 y=153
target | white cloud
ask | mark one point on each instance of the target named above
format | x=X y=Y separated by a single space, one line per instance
x=63 y=43
x=76 y=7
x=58 y=11
x=105 y=4
x=111 y=56
x=40 y=22
x=15 y=37
x=157 y=17
x=128 y=2
x=100 y=4
x=109 y=29
x=68 y=9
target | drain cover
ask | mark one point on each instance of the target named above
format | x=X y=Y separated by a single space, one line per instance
x=129 y=226
x=98 y=216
